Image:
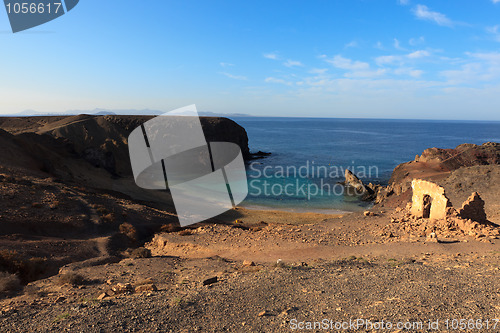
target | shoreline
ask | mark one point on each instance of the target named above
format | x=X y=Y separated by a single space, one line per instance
x=297 y=210
x=270 y=216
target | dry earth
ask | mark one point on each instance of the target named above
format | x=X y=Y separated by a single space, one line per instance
x=77 y=235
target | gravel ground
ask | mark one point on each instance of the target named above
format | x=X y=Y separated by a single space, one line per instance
x=266 y=297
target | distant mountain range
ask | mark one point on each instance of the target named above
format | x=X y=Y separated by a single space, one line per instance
x=126 y=112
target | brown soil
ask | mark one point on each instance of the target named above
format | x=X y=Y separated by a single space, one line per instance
x=243 y=271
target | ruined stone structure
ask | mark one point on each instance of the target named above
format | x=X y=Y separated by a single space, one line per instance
x=429 y=200
x=473 y=208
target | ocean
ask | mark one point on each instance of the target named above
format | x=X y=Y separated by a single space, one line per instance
x=309 y=156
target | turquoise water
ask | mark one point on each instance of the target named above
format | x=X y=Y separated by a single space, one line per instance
x=309 y=155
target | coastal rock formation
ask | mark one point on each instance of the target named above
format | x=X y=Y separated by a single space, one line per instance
x=101 y=141
x=224 y=129
x=464 y=155
x=355 y=187
x=258 y=155
x=353 y=181
x=483 y=179
x=435 y=164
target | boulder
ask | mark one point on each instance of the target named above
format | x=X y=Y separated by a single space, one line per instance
x=355 y=187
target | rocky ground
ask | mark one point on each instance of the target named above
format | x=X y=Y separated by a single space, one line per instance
x=411 y=288
x=83 y=250
x=258 y=277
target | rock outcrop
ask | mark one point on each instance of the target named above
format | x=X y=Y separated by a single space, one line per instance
x=351 y=180
x=101 y=141
x=464 y=155
x=435 y=164
x=355 y=187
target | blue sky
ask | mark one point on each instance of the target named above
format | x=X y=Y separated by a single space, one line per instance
x=358 y=58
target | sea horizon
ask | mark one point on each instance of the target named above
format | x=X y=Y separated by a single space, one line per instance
x=343 y=143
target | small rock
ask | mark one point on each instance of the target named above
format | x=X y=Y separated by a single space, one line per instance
x=248 y=263
x=121 y=288
x=210 y=281
x=289 y=310
x=102 y=296
x=60 y=299
x=146 y=287
x=263 y=313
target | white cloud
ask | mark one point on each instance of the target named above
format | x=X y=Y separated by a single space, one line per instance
x=397 y=45
x=418 y=54
x=417 y=41
x=388 y=59
x=235 y=77
x=345 y=63
x=467 y=73
x=424 y=13
x=366 y=73
x=495 y=1
x=292 y=63
x=481 y=67
x=379 y=46
x=494 y=31
x=492 y=57
x=397 y=59
x=351 y=44
x=276 y=80
x=226 y=64
x=318 y=70
x=354 y=68
x=416 y=73
x=407 y=2
x=273 y=56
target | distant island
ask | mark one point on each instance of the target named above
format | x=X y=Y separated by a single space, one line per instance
x=107 y=112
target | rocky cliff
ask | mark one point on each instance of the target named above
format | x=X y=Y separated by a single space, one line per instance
x=100 y=141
